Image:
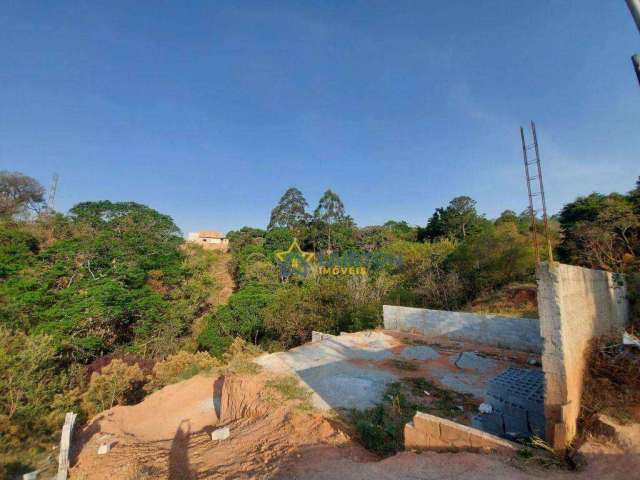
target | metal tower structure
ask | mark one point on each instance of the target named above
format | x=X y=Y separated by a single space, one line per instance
x=52 y=192
x=634 y=8
x=535 y=188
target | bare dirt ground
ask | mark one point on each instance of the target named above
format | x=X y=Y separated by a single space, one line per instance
x=220 y=271
x=608 y=465
x=168 y=434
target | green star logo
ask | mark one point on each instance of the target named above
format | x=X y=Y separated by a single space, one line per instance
x=294 y=260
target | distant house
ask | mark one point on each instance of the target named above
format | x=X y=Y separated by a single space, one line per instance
x=210 y=239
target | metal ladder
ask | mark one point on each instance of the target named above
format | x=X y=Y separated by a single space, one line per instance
x=531 y=155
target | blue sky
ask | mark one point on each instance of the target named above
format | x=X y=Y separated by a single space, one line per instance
x=208 y=111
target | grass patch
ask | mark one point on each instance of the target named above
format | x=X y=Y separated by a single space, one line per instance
x=289 y=388
x=402 y=364
x=381 y=428
x=538 y=452
x=439 y=401
x=415 y=341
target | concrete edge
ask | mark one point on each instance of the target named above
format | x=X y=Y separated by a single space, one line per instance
x=428 y=432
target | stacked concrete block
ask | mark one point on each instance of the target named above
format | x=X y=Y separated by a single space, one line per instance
x=506 y=332
x=517 y=397
x=428 y=432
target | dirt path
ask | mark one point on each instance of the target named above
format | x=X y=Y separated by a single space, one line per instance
x=220 y=271
x=608 y=464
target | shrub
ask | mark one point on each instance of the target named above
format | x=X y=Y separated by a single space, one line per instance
x=28 y=383
x=117 y=384
x=239 y=357
x=381 y=428
x=181 y=366
x=241 y=317
x=295 y=312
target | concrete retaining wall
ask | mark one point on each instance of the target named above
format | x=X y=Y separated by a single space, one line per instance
x=508 y=332
x=575 y=304
x=428 y=432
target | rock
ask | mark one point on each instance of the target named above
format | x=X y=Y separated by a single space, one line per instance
x=629 y=339
x=220 y=434
x=104 y=449
x=485 y=408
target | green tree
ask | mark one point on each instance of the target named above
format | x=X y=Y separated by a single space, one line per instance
x=330 y=208
x=19 y=194
x=493 y=257
x=290 y=211
x=459 y=219
x=599 y=230
x=109 y=284
x=332 y=227
x=507 y=216
x=461 y=216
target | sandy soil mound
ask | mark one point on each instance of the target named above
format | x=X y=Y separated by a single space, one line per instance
x=168 y=435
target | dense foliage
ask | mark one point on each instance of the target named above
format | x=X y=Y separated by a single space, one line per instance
x=90 y=300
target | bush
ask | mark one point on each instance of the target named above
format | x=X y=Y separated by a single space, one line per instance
x=28 y=383
x=117 y=384
x=181 y=366
x=239 y=357
x=241 y=317
x=294 y=313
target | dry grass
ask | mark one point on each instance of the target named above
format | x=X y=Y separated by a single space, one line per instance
x=513 y=300
x=402 y=364
x=612 y=383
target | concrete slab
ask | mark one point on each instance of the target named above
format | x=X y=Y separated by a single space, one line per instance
x=353 y=370
x=473 y=361
x=419 y=353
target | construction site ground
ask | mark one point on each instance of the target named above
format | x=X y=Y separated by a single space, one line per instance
x=354 y=370
x=168 y=435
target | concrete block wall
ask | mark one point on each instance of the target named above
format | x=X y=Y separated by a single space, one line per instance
x=575 y=304
x=428 y=432
x=508 y=332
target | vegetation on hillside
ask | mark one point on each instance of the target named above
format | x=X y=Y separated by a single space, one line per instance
x=105 y=303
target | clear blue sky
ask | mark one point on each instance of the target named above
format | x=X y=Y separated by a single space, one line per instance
x=209 y=110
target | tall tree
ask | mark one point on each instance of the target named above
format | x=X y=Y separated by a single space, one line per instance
x=330 y=208
x=290 y=211
x=436 y=226
x=19 y=194
x=462 y=215
x=456 y=220
x=329 y=214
